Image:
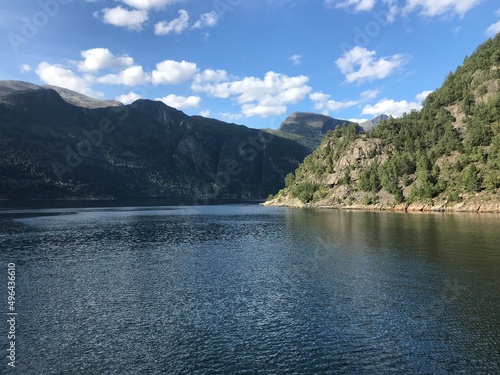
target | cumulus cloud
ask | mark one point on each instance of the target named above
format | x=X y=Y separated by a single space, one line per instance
x=170 y=72
x=207 y=20
x=58 y=75
x=360 y=64
x=181 y=102
x=205 y=113
x=295 y=59
x=396 y=108
x=323 y=103
x=258 y=97
x=121 y=17
x=355 y=5
x=176 y=26
x=423 y=95
x=128 y=98
x=493 y=29
x=267 y=106
x=212 y=82
x=391 y=107
x=132 y=76
x=149 y=4
x=101 y=58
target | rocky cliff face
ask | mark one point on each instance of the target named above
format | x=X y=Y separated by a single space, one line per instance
x=53 y=149
x=333 y=190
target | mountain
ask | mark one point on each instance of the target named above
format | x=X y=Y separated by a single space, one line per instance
x=81 y=100
x=72 y=97
x=310 y=125
x=370 y=124
x=51 y=148
x=444 y=157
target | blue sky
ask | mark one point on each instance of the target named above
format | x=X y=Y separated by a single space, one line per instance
x=252 y=62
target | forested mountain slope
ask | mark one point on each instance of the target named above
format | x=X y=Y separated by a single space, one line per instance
x=444 y=157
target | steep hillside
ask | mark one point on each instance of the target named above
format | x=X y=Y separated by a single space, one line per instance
x=445 y=157
x=51 y=149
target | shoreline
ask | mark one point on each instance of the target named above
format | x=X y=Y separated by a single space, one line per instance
x=425 y=207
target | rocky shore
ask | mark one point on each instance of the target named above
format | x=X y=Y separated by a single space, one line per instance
x=480 y=203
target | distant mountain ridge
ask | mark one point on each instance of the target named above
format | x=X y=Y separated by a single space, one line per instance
x=72 y=97
x=370 y=124
x=57 y=144
x=311 y=125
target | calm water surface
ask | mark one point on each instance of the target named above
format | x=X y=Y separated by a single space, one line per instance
x=251 y=290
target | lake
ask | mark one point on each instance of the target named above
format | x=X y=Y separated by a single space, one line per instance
x=245 y=289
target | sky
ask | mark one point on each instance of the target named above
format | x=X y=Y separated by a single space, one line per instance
x=251 y=62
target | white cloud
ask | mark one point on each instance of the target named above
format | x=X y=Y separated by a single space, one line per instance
x=176 y=26
x=396 y=108
x=266 y=106
x=426 y=8
x=25 y=68
x=181 y=102
x=423 y=95
x=369 y=95
x=323 y=103
x=493 y=29
x=58 y=75
x=207 y=20
x=360 y=64
x=391 y=107
x=148 y=4
x=286 y=89
x=355 y=5
x=101 y=58
x=431 y=8
x=132 y=76
x=121 y=17
x=231 y=117
x=295 y=59
x=358 y=120
x=128 y=98
x=212 y=82
x=171 y=72
x=258 y=97
x=205 y=113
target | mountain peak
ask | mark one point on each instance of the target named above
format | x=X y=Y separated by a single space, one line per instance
x=308 y=124
x=370 y=124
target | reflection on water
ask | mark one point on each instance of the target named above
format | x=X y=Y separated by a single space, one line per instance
x=247 y=289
